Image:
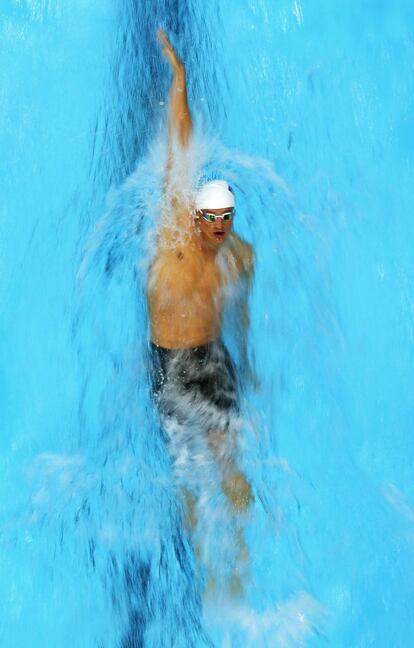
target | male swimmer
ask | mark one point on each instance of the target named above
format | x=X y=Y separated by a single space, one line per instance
x=198 y=259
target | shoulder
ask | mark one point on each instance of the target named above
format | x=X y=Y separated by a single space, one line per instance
x=175 y=253
x=175 y=235
x=174 y=229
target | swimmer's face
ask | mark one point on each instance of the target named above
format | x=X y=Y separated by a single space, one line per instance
x=215 y=224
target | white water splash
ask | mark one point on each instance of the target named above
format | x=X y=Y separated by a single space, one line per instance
x=289 y=625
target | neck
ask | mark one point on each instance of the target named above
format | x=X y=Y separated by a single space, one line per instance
x=209 y=248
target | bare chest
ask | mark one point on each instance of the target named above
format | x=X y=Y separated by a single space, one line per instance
x=187 y=292
x=186 y=278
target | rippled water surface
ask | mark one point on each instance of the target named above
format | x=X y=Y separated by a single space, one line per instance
x=306 y=107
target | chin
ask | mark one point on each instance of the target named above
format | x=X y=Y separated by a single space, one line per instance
x=213 y=241
x=218 y=241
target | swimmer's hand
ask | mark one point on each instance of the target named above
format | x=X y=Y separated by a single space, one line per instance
x=170 y=53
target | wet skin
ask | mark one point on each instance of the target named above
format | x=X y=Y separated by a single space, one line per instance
x=187 y=279
x=193 y=263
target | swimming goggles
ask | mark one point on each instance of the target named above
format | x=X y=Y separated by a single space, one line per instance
x=211 y=218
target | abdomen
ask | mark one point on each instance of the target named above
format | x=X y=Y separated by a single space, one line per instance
x=184 y=302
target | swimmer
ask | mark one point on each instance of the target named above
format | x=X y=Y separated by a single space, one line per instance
x=198 y=258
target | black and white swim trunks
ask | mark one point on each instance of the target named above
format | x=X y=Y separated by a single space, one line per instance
x=196 y=386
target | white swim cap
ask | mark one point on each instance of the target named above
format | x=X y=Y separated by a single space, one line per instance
x=215 y=194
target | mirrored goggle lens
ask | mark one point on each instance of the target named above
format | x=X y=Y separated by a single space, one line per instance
x=211 y=218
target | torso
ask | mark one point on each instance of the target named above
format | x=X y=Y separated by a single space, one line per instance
x=186 y=287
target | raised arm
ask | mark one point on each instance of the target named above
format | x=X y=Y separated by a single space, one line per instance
x=176 y=217
x=180 y=125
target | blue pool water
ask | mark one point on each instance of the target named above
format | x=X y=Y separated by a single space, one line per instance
x=307 y=107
